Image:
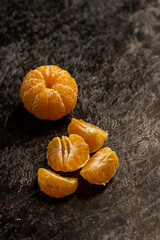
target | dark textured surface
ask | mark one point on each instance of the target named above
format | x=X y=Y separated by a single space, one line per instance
x=112 y=49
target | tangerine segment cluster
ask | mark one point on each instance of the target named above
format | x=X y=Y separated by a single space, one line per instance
x=68 y=153
x=49 y=92
x=94 y=136
x=72 y=153
x=101 y=167
x=54 y=185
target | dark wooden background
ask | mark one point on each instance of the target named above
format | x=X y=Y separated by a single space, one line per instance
x=112 y=49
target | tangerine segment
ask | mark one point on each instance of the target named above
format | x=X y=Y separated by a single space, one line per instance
x=49 y=92
x=30 y=95
x=94 y=136
x=55 y=102
x=54 y=185
x=101 y=167
x=68 y=96
x=68 y=153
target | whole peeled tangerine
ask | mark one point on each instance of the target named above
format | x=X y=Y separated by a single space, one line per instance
x=49 y=92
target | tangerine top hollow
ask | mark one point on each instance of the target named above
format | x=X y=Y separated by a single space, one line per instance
x=49 y=92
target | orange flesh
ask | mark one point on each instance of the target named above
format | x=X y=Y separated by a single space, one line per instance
x=101 y=167
x=49 y=92
x=54 y=185
x=67 y=154
x=94 y=136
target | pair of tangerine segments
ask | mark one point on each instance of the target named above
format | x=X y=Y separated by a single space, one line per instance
x=49 y=92
x=72 y=153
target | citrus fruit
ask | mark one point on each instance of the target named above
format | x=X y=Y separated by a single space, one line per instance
x=101 y=167
x=49 y=92
x=54 y=185
x=68 y=153
x=94 y=136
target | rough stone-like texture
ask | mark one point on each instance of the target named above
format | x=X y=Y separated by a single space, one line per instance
x=112 y=49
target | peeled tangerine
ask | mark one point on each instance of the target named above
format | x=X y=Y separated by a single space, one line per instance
x=68 y=153
x=101 y=167
x=94 y=136
x=54 y=185
x=49 y=92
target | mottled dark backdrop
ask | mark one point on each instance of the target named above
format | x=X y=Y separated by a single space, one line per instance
x=112 y=49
